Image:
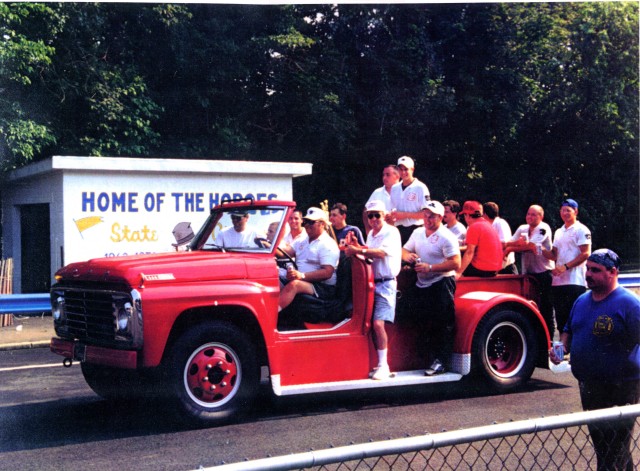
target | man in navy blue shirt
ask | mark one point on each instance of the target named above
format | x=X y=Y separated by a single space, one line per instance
x=603 y=336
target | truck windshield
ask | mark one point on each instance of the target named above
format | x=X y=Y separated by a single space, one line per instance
x=243 y=229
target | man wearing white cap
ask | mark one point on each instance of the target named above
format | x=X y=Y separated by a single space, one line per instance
x=383 y=246
x=407 y=197
x=316 y=258
x=435 y=253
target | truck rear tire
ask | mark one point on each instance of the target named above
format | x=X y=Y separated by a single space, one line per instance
x=213 y=373
x=504 y=349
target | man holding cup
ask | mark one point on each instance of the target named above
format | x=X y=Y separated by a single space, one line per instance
x=603 y=336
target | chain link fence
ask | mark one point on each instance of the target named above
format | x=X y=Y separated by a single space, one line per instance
x=552 y=443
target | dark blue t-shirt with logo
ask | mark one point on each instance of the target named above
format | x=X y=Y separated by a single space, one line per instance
x=605 y=337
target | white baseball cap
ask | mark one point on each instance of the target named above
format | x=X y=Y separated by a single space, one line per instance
x=406 y=161
x=434 y=206
x=315 y=214
x=375 y=205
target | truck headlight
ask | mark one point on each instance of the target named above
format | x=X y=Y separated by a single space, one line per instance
x=127 y=316
x=57 y=309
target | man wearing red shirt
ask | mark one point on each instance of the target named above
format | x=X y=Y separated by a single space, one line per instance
x=483 y=255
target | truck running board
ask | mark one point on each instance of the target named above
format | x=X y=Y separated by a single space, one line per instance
x=402 y=378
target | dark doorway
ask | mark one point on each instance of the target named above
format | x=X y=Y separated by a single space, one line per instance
x=35 y=247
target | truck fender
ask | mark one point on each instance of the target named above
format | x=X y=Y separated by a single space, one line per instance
x=471 y=307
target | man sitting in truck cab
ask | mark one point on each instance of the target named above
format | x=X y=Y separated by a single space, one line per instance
x=316 y=258
x=238 y=235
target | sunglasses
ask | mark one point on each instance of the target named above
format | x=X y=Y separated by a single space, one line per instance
x=374 y=215
x=306 y=222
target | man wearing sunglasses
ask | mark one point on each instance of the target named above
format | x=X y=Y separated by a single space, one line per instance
x=603 y=336
x=383 y=246
x=239 y=234
x=317 y=259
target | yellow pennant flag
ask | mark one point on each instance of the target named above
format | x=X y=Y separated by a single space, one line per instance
x=85 y=223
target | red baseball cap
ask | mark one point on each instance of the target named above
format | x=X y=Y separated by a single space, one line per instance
x=472 y=207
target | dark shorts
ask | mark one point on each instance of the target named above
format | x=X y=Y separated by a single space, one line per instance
x=323 y=291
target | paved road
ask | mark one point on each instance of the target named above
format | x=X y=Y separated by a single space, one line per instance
x=50 y=420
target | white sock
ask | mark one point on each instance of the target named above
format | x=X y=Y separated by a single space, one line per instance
x=382 y=357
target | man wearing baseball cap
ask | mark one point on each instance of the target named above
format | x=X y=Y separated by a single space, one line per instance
x=434 y=252
x=407 y=197
x=571 y=248
x=317 y=259
x=383 y=246
x=603 y=335
x=239 y=234
x=483 y=255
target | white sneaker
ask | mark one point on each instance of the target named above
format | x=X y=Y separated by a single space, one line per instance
x=382 y=372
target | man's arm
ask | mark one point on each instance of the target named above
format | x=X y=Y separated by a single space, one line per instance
x=451 y=263
x=466 y=259
x=323 y=273
x=585 y=251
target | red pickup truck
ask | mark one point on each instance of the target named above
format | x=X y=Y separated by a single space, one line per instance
x=200 y=327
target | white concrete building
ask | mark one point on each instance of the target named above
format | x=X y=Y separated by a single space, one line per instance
x=68 y=209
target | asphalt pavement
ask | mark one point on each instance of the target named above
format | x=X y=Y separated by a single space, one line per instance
x=27 y=332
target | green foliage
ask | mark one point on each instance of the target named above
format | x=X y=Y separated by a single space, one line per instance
x=519 y=103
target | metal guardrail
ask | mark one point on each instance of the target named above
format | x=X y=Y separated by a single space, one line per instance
x=25 y=303
x=40 y=302
x=629 y=280
x=359 y=453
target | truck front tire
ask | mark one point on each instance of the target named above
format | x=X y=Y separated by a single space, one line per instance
x=112 y=384
x=213 y=373
x=504 y=349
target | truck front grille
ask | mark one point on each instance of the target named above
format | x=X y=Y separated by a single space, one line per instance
x=90 y=315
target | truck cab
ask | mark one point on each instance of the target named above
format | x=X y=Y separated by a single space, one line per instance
x=199 y=328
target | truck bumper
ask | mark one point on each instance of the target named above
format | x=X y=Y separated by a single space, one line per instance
x=74 y=350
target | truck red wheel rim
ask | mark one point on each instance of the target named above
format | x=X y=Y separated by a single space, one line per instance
x=212 y=375
x=506 y=349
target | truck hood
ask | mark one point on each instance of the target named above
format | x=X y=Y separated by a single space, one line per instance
x=171 y=268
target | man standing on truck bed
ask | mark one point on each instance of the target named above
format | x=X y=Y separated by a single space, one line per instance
x=317 y=260
x=435 y=253
x=383 y=246
x=407 y=197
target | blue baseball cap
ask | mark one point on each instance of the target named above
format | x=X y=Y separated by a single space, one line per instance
x=571 y=203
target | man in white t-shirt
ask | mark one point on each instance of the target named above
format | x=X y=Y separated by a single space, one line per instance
x=492 y=214
x=316 y=258
x=383 y=246
x=296 y=232
x=530 y=239
x=407 y=199
x=571 y=249
x=435 y=253
x=390 y=176
x=239 y=235
x=451 y=210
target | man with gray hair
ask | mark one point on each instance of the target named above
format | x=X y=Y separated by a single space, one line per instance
x=383 y=246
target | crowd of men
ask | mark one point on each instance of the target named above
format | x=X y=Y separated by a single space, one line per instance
x=600 y=327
